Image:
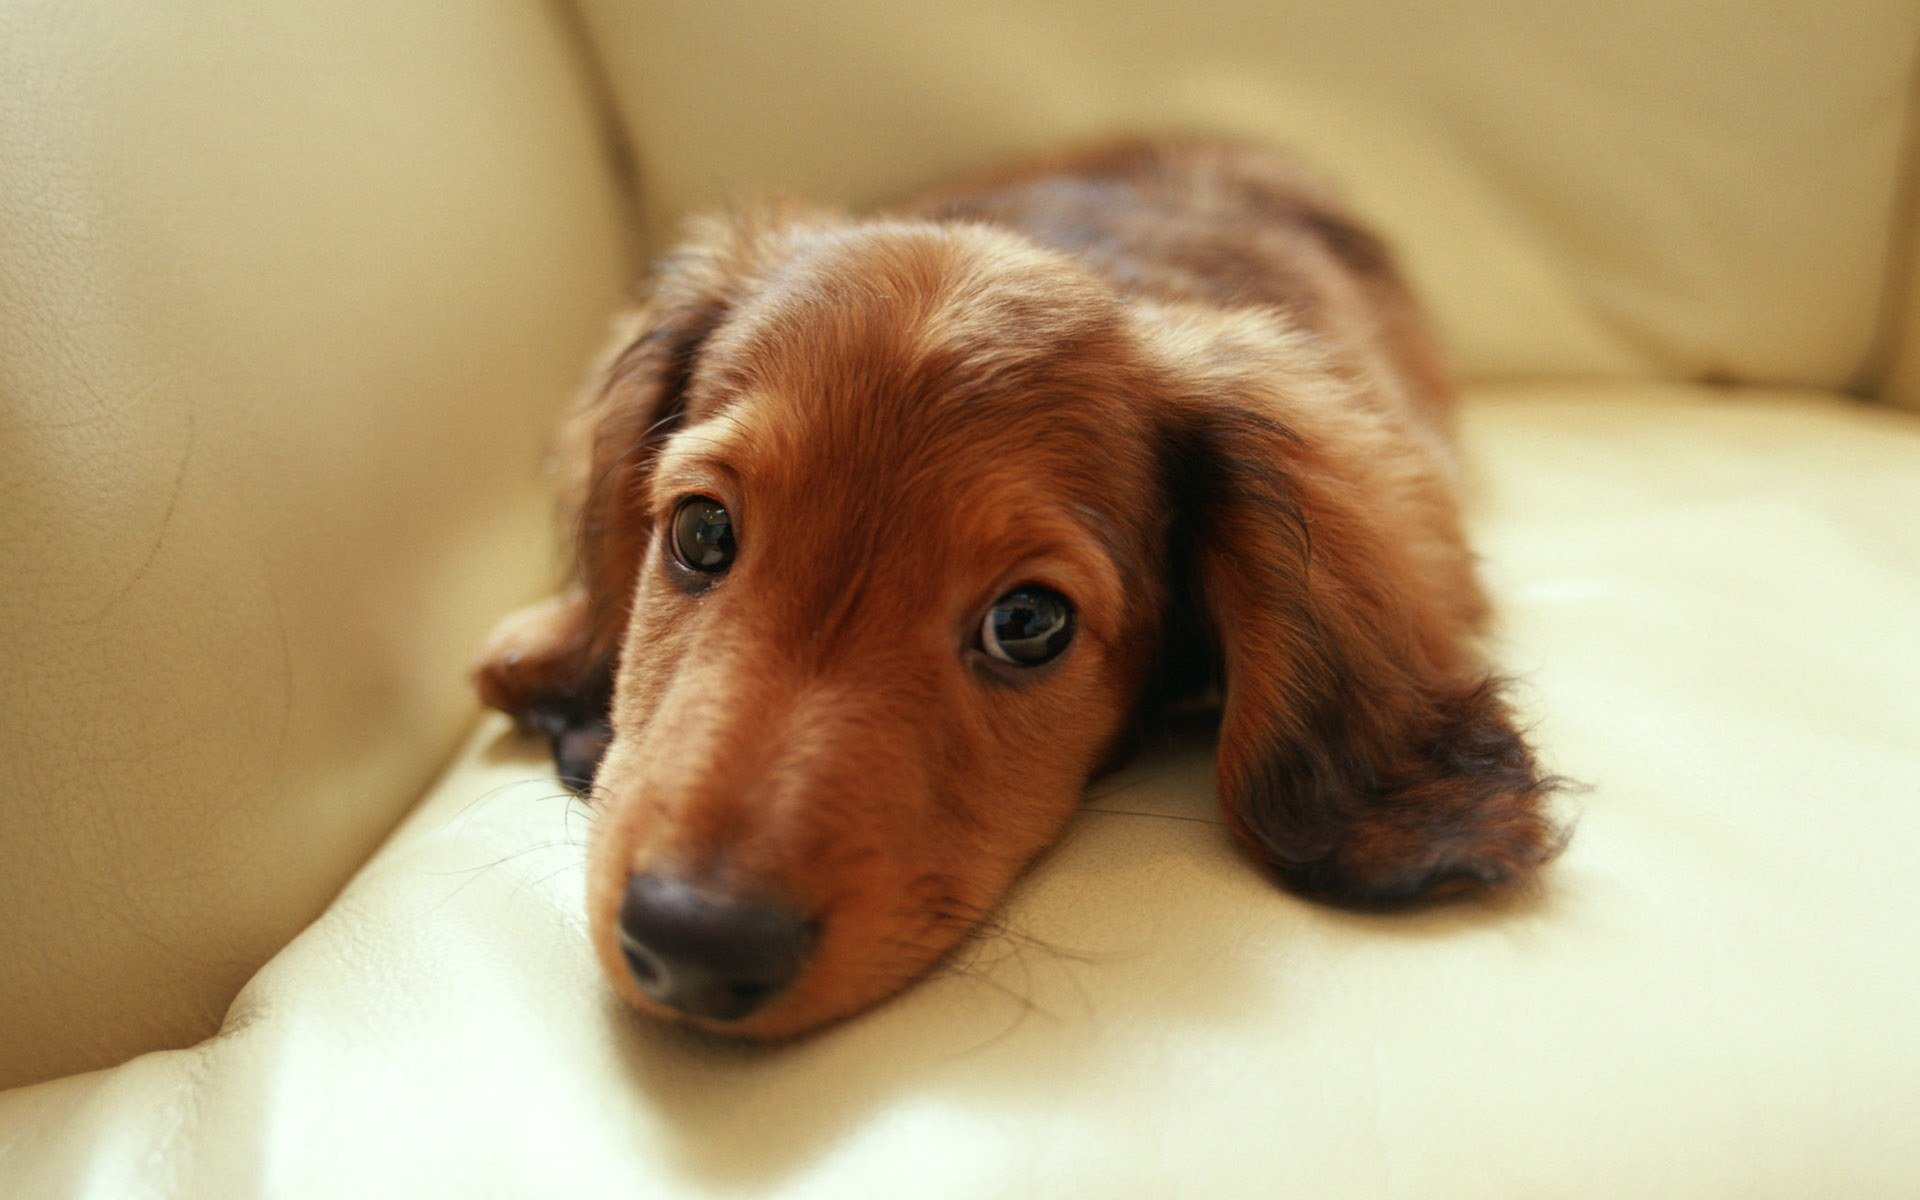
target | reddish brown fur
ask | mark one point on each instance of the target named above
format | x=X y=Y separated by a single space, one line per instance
x=1174 y=382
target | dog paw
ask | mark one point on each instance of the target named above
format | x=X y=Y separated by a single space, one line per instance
x=536 y=668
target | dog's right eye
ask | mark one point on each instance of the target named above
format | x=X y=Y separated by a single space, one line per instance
x=703 y=535
x=1028 y=626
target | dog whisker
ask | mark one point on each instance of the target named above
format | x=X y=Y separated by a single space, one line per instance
x=493 y=793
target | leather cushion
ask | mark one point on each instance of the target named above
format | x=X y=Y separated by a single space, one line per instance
x=289 y=299
x=1637 y=187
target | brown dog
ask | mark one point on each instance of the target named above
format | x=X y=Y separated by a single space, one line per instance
x=891 y=530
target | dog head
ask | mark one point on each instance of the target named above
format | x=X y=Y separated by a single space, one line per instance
x=889 y=531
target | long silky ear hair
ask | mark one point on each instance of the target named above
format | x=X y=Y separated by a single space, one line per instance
x=605 y=453
x=1367 y=755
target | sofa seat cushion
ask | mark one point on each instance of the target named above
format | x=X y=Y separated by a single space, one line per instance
x=1711 y=598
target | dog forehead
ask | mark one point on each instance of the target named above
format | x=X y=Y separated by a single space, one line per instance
x=912 y=315
x=961 y=484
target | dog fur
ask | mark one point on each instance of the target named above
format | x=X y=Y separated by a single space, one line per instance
x=1173 y=380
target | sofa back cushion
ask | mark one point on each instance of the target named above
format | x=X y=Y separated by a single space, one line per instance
x=289 y=297
x=1634 y=188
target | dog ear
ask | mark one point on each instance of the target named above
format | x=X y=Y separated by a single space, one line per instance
x=551 y=666
x=1366 y=755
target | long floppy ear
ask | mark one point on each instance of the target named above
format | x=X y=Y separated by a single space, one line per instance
x=551 y=665
x=1366 y=753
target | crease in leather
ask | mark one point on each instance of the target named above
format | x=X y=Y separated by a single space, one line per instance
x=617 y=143
x=1896 y=334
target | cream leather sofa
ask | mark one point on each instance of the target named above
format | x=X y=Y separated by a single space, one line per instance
x=290 y=294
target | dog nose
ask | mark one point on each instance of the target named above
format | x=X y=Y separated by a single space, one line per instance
x=708 y=955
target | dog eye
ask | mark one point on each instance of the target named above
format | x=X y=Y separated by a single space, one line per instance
x=1027 y=626
x=703 y=535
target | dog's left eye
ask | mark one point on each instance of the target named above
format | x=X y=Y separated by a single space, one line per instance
x=703 y=535
x=1028 y=626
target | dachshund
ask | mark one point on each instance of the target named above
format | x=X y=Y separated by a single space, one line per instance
x=892 y=531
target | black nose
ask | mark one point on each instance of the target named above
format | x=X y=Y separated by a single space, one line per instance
x=706 y=954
